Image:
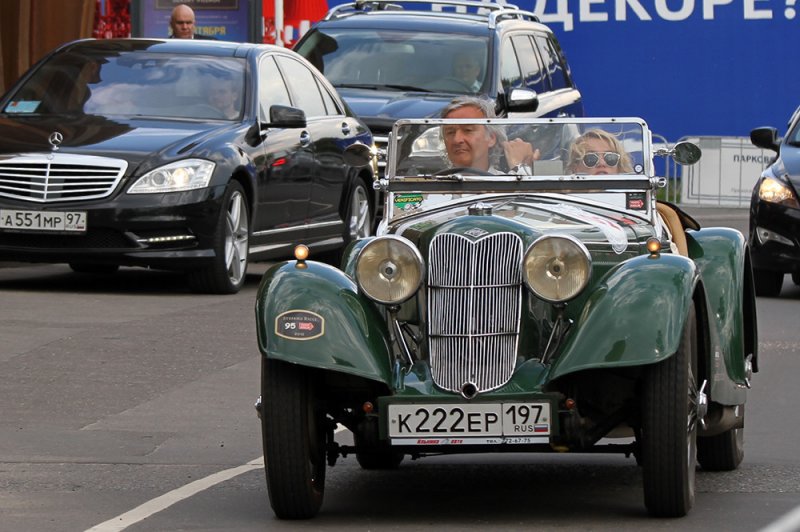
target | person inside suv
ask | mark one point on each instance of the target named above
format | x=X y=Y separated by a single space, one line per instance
x=467 y=69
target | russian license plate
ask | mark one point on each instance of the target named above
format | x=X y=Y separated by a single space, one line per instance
x=463 y=424
x=62 y=221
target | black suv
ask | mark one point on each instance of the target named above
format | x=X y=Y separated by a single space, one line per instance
x=389 y=63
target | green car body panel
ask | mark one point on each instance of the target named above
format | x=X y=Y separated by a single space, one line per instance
x=355 y=339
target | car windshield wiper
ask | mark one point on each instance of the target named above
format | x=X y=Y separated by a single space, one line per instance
x=375 y=87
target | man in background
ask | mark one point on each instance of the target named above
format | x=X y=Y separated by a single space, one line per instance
x=181 y=22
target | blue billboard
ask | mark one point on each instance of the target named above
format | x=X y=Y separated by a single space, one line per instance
x=688 y=67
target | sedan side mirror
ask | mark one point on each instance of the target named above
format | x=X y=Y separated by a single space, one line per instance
x=766 y=138
x=283 y=116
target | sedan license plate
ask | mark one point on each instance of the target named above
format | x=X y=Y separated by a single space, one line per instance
x=463 y=424
x=59 y=221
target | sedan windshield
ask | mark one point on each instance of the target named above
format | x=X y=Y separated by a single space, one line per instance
x=134 y=84
x=399 y=60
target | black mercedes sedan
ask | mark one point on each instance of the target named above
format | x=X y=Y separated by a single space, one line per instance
x=196 y=156
x=775 y=210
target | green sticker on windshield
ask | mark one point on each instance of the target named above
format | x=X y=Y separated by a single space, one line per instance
x=406 y=202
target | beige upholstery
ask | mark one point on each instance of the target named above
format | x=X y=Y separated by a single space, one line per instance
x=673 y=223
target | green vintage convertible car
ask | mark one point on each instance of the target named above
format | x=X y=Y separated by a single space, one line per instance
x=534 y=309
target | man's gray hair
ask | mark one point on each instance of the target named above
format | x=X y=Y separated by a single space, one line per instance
x=486 y=107
x=482 y=104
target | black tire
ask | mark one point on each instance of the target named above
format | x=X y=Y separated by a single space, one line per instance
x=768 y=283
x=93 y=268
x=227 y=273
x=723 y=452
x=796 y=278
x=669 y=428
x=378 y=456
x=293 y=437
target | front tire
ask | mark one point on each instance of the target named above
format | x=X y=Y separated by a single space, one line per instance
x=723 y=452
x=227 y=273
x=669 y=428
x=293 y=436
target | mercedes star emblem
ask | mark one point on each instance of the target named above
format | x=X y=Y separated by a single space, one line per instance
x=55 y=139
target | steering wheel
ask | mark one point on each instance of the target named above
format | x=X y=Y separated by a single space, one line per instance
x=461 y=170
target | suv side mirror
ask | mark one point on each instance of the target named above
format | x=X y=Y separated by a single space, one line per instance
x=765 y=137
x=522 y=101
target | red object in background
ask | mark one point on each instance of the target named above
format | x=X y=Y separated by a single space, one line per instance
x=112 y=18
x=298 y=16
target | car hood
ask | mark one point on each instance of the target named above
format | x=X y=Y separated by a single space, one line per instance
x=605 y=230
x=380 y=109
x=131 y=140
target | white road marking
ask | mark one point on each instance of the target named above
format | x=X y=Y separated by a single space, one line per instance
x=153 y=506
x=788 y=523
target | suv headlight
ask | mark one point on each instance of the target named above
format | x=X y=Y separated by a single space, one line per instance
x=557 y=267
x=389 y=270
x=188 y=174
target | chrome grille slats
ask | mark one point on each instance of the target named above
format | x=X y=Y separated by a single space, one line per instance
x=59 y=177
x=474 y=305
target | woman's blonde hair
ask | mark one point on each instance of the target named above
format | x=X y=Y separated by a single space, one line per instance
x=579 y=149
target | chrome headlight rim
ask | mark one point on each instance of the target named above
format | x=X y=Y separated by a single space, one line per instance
x=413 y=254
x=583 y=253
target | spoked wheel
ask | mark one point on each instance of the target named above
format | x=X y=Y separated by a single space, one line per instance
x=723 y=452
x=669 y=428
x=293 y=435
x=226 y=274
x=359 y=214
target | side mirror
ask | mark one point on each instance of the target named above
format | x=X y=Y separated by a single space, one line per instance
x=522 y=101
x=283 y=116
x=766 y=138
x=358 y=155
x=686 y=153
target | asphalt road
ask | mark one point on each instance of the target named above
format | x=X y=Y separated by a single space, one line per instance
x=126 y=401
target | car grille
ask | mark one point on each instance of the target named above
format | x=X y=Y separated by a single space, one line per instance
x=59 y=177
x=474 y=305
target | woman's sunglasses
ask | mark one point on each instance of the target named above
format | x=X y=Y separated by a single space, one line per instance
x=591 y=159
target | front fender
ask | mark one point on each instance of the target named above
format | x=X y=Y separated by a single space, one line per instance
x=311 y=314
x=635 y=316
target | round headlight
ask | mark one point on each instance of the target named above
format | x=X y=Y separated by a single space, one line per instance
x=389 y=269
x=557 y=268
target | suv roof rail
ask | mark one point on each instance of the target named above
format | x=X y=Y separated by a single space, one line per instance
x=490 y=10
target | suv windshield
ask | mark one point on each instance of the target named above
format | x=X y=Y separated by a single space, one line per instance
x=399 y=60
x=134 y=84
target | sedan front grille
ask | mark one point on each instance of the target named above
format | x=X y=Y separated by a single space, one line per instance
x=474 y=306
x=59 y=177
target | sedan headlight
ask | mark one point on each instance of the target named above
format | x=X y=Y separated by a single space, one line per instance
x=557 y=268
x=188 y=174
x=389 y=270
x=774 y=191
